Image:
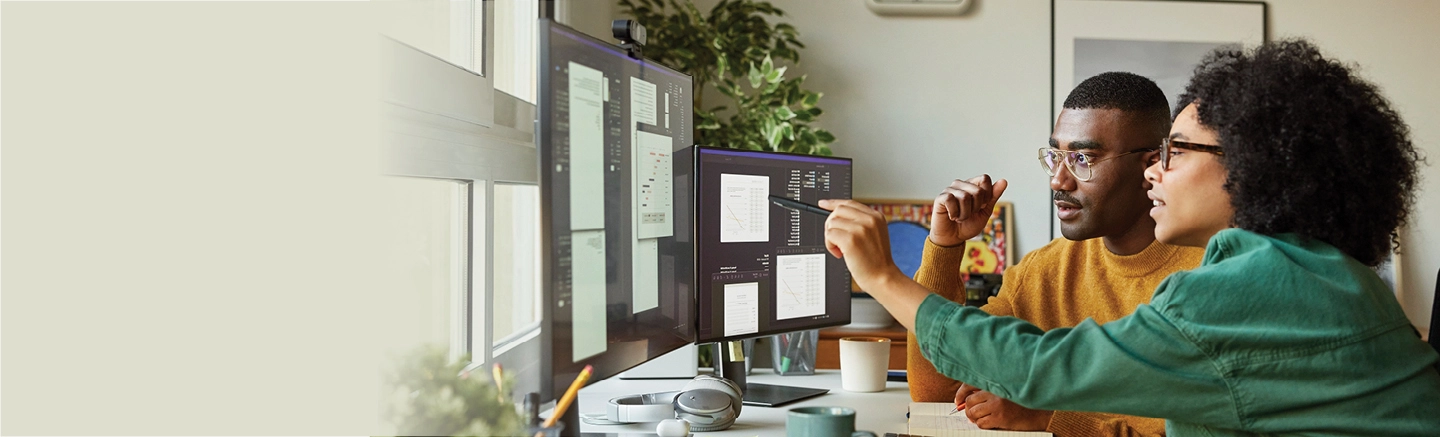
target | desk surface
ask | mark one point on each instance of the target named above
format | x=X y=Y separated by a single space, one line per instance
x=880 y=412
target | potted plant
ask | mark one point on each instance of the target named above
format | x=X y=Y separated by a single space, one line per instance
x=734 y=49
x=429 y=395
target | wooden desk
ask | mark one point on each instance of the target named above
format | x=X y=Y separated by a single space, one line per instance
x=827 y=355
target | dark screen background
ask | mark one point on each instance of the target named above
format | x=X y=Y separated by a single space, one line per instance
x=799 y=177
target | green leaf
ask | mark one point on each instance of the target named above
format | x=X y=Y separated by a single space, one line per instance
x=776 y=75
x=810 y=137
x=774 y=137
x=755 y=77
x=810 y=100
x=785 y=113
x=814 y=111
x=721 y=64
x=768 y=65
x=788 y=130
x=824 y=136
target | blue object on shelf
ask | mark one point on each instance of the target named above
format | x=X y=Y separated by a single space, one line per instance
x=907 y=244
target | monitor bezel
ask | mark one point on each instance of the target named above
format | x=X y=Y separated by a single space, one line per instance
x=554 y=388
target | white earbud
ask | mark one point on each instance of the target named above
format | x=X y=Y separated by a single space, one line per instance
x=673 y=428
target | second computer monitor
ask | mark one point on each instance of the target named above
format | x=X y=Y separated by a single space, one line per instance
x=763 y=268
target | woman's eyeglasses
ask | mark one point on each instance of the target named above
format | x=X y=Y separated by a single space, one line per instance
x=1079 y=163
x=1168 y=146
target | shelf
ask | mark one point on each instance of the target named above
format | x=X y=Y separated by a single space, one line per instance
x=828 y=349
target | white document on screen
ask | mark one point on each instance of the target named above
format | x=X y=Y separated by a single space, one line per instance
x=744 y=208
x=799 y=285
x=587 y=285
x=742 y=308
x=587 y=147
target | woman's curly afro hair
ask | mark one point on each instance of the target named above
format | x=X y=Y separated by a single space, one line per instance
x=1310 y=148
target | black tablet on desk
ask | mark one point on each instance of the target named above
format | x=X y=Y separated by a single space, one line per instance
x=766 y=395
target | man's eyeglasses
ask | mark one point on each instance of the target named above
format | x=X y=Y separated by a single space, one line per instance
x=1079 y=163
x=1168 y=146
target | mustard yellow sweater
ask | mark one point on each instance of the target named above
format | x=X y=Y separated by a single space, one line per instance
x=1056 y=286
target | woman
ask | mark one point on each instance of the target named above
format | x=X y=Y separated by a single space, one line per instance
x=1294 y=175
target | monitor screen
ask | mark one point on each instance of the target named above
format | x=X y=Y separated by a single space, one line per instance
x=763 y=269
x=619 y=262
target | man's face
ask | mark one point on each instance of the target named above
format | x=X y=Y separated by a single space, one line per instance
x=1113 y=200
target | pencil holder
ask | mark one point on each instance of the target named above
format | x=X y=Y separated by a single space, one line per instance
x=794 y=352
x=541 y=431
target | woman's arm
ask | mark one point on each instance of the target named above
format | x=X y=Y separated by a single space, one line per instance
x=1140 y=365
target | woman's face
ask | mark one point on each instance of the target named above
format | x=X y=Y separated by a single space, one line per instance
x=1190 y=202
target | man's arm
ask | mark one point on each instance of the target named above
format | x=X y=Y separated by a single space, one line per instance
x=989 y=411
x=940 y=271
x=1071 y=423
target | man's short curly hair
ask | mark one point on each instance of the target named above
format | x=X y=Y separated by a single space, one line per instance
x=1127 y=92
x=1310 y=148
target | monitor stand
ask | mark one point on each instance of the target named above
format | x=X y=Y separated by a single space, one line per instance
x=732 y=366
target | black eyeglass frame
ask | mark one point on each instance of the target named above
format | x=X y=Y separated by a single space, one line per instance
x=1170 y=143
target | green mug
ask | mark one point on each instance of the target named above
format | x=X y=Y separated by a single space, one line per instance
x=822 y=422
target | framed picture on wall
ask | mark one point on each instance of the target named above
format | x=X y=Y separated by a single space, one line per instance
x=1161 y=40
x=909 y=226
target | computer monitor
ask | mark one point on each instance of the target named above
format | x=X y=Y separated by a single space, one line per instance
x=763 y=269
x=618 y=262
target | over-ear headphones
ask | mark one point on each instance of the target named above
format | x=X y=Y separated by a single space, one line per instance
x=707 y=403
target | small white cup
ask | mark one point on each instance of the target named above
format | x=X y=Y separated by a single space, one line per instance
x=863 y=361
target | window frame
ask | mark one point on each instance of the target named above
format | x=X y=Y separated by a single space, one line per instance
x=443 y=120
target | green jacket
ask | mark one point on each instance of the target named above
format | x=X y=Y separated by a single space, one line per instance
x=1270 y=335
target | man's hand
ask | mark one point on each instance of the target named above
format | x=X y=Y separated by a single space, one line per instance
x=857 y=234
x=960 y=212
x=993 y=412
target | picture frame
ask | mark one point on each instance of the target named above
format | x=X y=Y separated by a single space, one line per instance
x=989 y=253
x=1161 y=40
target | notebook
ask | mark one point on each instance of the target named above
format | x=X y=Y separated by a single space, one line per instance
x=934 y=419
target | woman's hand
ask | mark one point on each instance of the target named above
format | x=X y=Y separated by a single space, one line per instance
x=857 y=234
x=989 y=411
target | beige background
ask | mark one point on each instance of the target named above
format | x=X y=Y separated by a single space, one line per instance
x=191 y=230
x=190 y=223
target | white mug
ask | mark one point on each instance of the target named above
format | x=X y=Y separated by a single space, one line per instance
x=863 y=362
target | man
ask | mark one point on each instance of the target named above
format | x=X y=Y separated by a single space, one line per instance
x=1107 y=264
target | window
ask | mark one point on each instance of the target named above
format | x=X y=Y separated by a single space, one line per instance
x=517 y=279
x=430 y=252
x=445 y=124
x=452 y=30
x=515 y=47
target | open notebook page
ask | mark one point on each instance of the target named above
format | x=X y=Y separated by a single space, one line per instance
x=934 y=419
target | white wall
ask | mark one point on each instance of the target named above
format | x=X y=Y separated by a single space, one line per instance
x=589 y=16
x=918 y=101
x=1394 y=43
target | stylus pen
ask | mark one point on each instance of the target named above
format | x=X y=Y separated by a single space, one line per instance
x=798 y=205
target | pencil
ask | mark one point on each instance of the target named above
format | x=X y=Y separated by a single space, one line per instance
x=568 y=398
x=798 y=205
x=499 y=380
